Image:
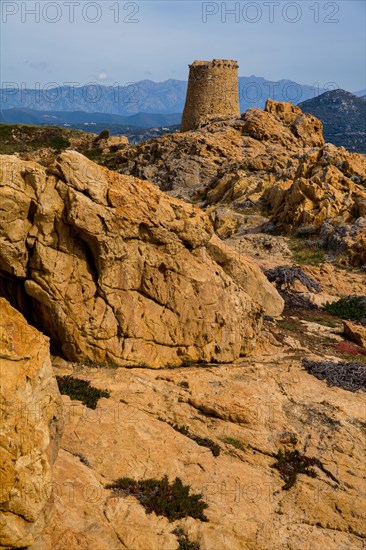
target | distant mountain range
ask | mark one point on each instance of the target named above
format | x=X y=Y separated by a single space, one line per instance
x=343 y=116
x=147 y=97
x=360 y=93
x=158 y=105
x=83 y=119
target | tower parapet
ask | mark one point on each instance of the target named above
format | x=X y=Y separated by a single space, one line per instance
x=212 y=92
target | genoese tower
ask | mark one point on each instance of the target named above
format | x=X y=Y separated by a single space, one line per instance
x=213 y=91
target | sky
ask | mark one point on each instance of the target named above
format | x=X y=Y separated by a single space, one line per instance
x=110 y=41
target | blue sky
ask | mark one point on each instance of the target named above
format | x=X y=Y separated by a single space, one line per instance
x=111 y=41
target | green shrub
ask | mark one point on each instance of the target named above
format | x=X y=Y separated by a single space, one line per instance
x=183 y=541
x=348 y=307
x=202 y=441
x=233 y=442
x=206 y=442
x=171 y=500
x=58 y=142
x=80 y=390
x=104 y=134
x=92 y=154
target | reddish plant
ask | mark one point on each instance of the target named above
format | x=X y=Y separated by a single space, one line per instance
x=348 y=348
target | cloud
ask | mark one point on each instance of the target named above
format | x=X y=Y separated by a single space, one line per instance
x=102 y=76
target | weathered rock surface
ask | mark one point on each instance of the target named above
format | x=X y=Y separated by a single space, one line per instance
x=31 y=427
x=105 y=144
x=270 y=164
x=261 y=406
x=356 y=333
x=325 y=188
x=337 y=281
x=245 y=273
x=226 y=159
x=347 y=241
x=116 y=270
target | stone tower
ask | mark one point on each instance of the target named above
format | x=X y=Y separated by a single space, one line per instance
x=212 y=92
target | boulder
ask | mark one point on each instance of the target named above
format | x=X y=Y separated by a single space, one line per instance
x=31 y=427
x=356 y=333
x=304 y=126
x=112 y=142
x=283 y=111
x=118 y=271
x=246 y=273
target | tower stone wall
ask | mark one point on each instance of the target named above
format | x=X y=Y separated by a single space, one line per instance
x=213 y=91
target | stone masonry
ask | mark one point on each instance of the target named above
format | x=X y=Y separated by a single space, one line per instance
x=212 y=92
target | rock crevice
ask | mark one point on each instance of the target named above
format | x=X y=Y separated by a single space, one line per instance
x=118 y=271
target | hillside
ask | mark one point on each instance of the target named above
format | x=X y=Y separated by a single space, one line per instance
x=343 y=116
x=28 y=138
x=25 y=138
x=87 y=121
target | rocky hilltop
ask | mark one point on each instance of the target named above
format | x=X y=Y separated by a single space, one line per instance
x=343 y=115
x=201 y=300
x=267 y=171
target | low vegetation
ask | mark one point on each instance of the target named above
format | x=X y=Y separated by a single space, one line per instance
x=293 y=327
x=93 y=154
x=292 y=463
x=202 y=441
x=25 y=138
x=171 y=500
x=304 y=254
x=233 y=442
x=352 y=308
x=350 y=349
x=183 y=540
x=81 y=390
x=324 y=322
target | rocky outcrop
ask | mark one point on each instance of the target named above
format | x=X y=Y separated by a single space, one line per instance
x=31 y=427
x=251 y=410
x=328 y=197
x=347 y=243
x=244 y=154
x=116 y=270
x=270 y=164
x=111 y=142
x=356 y=333
x=327 y=186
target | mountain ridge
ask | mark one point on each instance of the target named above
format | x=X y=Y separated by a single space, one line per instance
x=343 y=116
x=165 y=97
